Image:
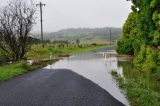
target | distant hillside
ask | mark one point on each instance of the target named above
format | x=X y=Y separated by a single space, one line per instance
x=84 y=34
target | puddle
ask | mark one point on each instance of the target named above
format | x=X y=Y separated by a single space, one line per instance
x=97 y=67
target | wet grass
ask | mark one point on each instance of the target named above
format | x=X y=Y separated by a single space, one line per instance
x=9 y=71
x=115 y=74
x=12 y=70
x=37 y=52
x=142 y=89
x=41 y=57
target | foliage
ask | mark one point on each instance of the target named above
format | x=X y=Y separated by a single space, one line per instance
x=129 y=26
x=127 y=43
x=141 y=87
x=151 y=61
x=16 y=21
x=141 y=32
x=125 y=47
x=3 y=57
x=140 y=59
x=139 y=95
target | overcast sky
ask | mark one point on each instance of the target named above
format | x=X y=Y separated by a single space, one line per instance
x=61 y=14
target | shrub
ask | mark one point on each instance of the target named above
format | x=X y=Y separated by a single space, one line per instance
x=140 y=59
x=151 y=62
x=124 y=46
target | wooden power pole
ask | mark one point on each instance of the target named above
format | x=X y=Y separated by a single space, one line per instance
x=41 y=20
x=110 y=33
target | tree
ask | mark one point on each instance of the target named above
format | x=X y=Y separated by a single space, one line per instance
x=128 y=43
x=141 y=34
x=125 y=47
x=77 y=41
x=16 y=22
x=129 y=28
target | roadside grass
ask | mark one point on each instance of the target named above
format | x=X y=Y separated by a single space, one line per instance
x=41 y=57
x=37 y=52
x=114 y=73
x=140 y=87
x=9 y=71
x=139 y=95
x=12 y=70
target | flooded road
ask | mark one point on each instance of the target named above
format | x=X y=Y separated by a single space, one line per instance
x=97 y=67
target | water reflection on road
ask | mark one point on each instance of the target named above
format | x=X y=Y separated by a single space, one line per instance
x=97 y=67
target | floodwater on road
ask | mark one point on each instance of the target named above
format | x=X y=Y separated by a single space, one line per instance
x=97 y=67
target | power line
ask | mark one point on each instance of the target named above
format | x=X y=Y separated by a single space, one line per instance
x=41 y=20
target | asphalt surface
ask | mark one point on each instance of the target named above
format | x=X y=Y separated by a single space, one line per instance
x=112 y=47
x=54 y=88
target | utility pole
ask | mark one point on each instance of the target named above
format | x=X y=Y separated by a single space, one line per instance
x=41 y=20
x=110 y=33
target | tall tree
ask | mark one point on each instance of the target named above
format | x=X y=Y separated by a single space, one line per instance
x=141 y=31
x=16 y=22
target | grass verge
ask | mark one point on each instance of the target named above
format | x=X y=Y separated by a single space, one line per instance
x=41 y=56
x=138 y=91
x=19 y=68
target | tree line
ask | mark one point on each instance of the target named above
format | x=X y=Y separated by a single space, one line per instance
x=141 y=34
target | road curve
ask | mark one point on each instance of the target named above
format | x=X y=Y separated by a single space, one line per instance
x=54 y=88
x=106 y=49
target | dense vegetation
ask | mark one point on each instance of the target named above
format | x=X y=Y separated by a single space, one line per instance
x=4 y=57
x=16 y=22
x=141 y=38
x=141 y=35
x=141 y=88
x=85 y=35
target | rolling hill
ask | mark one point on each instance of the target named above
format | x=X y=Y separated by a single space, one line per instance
x=85 y=35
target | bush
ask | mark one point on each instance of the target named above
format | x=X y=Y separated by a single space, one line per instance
x=141 y=57
x=152 y=59
x=124 y=46
x=3 y=58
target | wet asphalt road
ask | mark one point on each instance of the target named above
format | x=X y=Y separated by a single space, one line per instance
x=109 y=48
x=54 y=88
